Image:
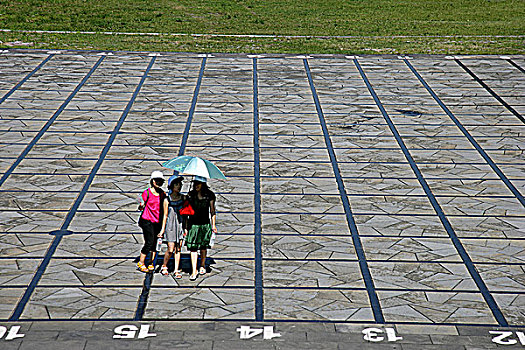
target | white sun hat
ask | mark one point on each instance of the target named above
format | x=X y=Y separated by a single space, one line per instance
x=157 y=175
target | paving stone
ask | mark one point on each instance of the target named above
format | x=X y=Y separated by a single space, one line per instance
x=58 y=326
x=11 y=345
x=479 y=331
x=435 y=307
x=426 y=329
x=200 y=303
x=119 y=344
x=67 y=335
x=410 y=249
x=311 y=247
x=432 y=347
x=50 y=345
x=502 y=277
x=74 y=302
x=298 y=273
x=472 y=341
x=428 y=276
x=42 y=335
x=321 y=337
x=247 y=344
x=317 y=305
x=174 y=344
x=400 y=225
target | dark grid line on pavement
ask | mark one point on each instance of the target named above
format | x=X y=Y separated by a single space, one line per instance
x=166 y=109
x=327 y=93
x=248 y=234
x=280 y=194
x=148 y=278
x=259 y=287
x=262 y=113
x=182 y=101
x=420 y=263
x=474 y=143
x=492 y=92
x=246 y=147
x=462 y=291
x=276 y=321
x=266 y=161
x=265 y=135
x=435 y=204
x=74 y=209
x=29 y=75
x=515 y=65
x=191 y=112
x=357 y=213
x=363 y=265
x=281 y=176
x=49 y=123
x=364 y=213
x=277 y=114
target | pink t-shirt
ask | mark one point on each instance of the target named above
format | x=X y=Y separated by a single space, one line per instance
x=152 y=209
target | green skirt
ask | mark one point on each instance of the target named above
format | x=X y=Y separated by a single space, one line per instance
x=199 y=237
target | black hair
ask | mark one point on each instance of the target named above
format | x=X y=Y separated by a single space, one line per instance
x=205 y=188
x=177 y=180
x=151 y=181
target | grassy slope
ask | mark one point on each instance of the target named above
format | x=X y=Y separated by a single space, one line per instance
x=314 y=17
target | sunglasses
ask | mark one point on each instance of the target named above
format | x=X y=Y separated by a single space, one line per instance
x=159 y=181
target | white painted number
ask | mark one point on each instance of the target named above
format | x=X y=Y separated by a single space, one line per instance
x=246 y=332
x=269 y=334
x=370 y=334
x=503 y=337
x=521 y=337
x=12 y=334
x=391 y=335
x=144 y=332
x=375 y=335
x=129 y=331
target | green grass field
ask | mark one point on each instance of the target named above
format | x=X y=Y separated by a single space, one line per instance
x=375 y=26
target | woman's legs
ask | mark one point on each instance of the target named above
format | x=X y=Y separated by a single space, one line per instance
x=194 y=256
x=203 y=260
x=148 y=231
x=177 y=247
x=169 y=253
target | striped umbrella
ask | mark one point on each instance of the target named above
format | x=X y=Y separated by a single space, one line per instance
x=188 y=165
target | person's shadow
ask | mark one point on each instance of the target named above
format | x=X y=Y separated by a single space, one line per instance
x=185 y=263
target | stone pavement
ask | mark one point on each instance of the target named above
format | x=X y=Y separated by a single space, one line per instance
x=371 y=202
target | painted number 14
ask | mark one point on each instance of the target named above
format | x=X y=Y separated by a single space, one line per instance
x=246 y=332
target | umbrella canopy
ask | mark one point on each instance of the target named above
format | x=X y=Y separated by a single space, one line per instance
x=188 y=165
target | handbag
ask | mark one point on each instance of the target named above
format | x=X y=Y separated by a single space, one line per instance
x=186 y=209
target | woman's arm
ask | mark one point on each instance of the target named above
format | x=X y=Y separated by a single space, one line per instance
x=213 y=216
x=164 y=217
x=143 y=200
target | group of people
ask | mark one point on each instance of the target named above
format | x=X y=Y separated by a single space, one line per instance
x=177 y=218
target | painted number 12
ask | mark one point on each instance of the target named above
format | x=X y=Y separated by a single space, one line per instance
x=504 y=337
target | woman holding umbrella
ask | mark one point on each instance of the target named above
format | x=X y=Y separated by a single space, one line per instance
x=201 y=224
